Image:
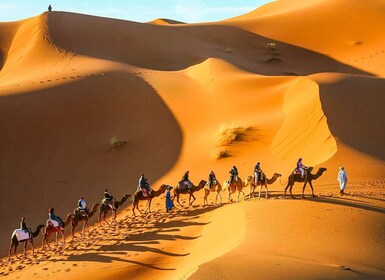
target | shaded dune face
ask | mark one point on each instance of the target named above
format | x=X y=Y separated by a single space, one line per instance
x=57 y=141
x=305 y=126
x=178 y=47
x=355 y=109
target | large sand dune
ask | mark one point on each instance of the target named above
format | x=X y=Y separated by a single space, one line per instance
x=290 y=79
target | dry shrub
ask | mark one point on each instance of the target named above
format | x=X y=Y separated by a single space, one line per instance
x=222 y=154
x=231 y=135
x=116 y=144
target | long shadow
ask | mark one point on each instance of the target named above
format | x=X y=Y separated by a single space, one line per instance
x=96 y=257
x=184 y=45
x=346 y=203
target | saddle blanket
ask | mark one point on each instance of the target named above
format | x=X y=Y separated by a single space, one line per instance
x=54 y=223
x=21 y=234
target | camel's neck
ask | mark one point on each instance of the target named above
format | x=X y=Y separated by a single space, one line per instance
x=68 y=220
x=120 y=203
x=36 y=232
x=158 y=192
x=199 y=187
x=93 y=211
x=272 y=180
x=317 y=175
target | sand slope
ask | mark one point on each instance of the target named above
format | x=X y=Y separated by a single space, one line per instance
x=290 y=79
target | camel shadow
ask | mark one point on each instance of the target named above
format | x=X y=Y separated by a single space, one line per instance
x=346 y=202
x=97 y=257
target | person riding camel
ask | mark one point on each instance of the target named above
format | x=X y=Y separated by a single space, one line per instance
x=301 y=167
x=53 y=217
x=233 y=174
x=257 y=173
x=144 y=186
x=82 y=205
x=109 y=199
x=23 y=225
x=212 y=178
x=185 y=180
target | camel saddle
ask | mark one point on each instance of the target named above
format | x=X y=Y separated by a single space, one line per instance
x=183 y=186
x=21 y=234
x=145 y=192
x=83 y=212
x=54 y=223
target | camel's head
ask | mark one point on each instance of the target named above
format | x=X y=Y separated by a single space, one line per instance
x=277 y=174
x=323 y=169
x=164 y=187
x=40 y=226
x=249 y=178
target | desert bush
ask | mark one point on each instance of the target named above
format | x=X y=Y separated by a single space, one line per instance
x=222 y=154
x=116 y=144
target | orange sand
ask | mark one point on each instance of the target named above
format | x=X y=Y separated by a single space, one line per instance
x=290 y=79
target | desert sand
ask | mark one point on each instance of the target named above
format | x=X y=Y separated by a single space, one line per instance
x=290 y=79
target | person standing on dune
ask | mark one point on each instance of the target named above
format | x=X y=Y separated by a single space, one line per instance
x=49 y=8
x=343 y=179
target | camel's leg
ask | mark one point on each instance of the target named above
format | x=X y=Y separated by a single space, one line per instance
x=133 y=209
x=64 y=239
x=191 y=196
x=290 y=190
x=288 y=184
x=14 y=250
x=230 y=199
x=25 y=248
x=251 y=193
x=205 y=198
x=267 y=192
x=177 y=200
x=33 y=250
x=56 y=238
x=303 y=189
x=10 y=251
x=85 y=226
x=149 y=206
x=114 y=215
x=259 y=192
x=220 y=198
x=312 y=190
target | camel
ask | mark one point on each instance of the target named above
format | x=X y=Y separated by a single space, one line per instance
x=308 y=179
x=138 y=195
x=15 y=242
x=217 y=188
x=49 y=229
x=237 y=185
x=250 y=181
x=105 y=208
x=178 y=192
x=78 y=217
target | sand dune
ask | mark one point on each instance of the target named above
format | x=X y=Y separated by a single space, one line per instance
x=290 y=79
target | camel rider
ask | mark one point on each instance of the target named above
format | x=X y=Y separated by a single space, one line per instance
x=82 y=205
x=52 y=216
x=143 y=184
x=212 y=178
x=301 y=167
x=185 y=180
x=257 y=173
x=23 y=225
x=109 y=199
x=233 y=174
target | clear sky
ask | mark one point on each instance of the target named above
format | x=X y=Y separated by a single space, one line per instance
x=135 y=10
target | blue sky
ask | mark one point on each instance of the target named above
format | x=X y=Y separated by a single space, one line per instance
x=136 y=10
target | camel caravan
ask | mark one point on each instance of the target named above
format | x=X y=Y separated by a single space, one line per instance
x=234 y=185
